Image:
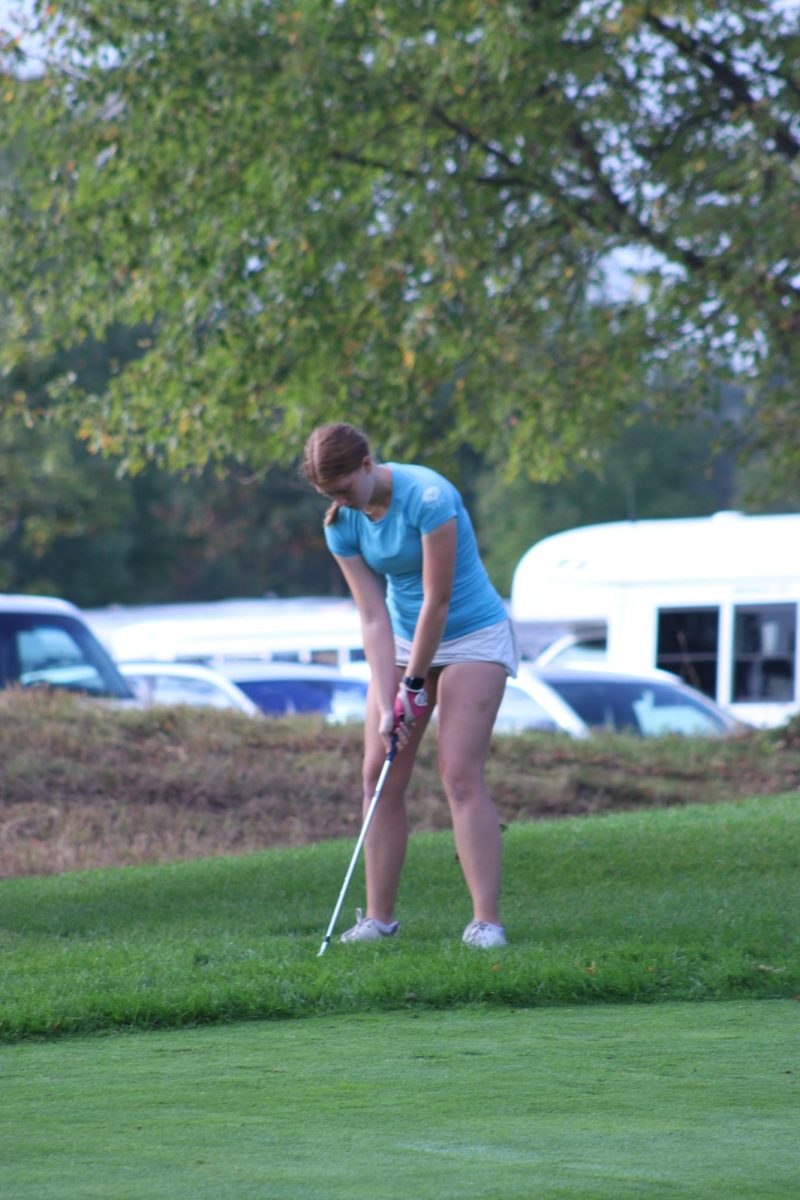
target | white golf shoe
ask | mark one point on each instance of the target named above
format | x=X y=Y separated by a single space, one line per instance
x=368 y=929
x=484 y=935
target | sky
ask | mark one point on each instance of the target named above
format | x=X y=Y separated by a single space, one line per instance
x=9 y=13
x=13 y=15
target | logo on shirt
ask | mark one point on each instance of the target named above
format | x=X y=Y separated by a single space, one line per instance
x=431 y=495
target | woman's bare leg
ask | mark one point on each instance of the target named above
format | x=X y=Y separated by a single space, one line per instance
x=387 y=840
x=469 y=696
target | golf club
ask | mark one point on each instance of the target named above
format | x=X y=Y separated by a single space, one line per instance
x=373 y=804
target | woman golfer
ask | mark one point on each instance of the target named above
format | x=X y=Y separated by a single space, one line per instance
x=437 y=634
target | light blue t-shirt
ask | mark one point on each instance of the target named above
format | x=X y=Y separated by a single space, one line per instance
x=421 y=501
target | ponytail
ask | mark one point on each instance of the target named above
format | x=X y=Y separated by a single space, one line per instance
x=330 y=452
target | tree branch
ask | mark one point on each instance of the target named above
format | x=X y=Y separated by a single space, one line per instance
x=623 y=218
x=375 y=164
x=728 y=78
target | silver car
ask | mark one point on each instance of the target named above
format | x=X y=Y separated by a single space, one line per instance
x=272 y=689
x=580 y=700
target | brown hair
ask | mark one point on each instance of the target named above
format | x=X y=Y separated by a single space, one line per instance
x=332 y=451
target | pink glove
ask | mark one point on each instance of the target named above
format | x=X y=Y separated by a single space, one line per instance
x=409 y=704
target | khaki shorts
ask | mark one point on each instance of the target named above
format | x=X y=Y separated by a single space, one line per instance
x=495 y=643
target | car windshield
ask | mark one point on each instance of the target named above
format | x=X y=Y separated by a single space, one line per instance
x=164 y=688
x=519 y=711
x=55 y=651
x=341 y=700
x=647 y=708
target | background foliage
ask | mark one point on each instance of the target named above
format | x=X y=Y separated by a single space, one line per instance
x=71 y=524
x=405 y=214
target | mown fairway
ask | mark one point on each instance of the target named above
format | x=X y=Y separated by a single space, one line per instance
x=661 y=1102
x=508 y=1090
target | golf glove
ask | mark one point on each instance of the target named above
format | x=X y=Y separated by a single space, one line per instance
x=409 y=704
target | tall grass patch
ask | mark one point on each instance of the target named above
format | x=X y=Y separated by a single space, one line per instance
x=83 y=787
x=696 y=903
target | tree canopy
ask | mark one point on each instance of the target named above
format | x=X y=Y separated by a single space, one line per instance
x=510 y=226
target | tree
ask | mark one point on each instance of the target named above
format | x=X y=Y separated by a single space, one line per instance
x=71 y=526
x=648 y=471
x=407 y=215
x=75 y=524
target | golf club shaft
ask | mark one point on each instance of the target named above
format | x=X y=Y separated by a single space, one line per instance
x=373 y=804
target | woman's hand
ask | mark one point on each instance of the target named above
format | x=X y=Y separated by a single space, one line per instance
x=391 y=729
x=410 y=703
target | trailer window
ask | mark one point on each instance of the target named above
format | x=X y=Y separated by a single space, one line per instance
x=687 y=645
x=765 y=645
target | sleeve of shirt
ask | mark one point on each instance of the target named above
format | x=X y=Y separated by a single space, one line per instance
x=341 y=538
x=435 y=501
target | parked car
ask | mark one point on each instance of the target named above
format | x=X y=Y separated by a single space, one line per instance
x=574 y=649
x=520 y=711
x=578 y=700
x=185 y=683
x=581 y=699
x=45 y=642
x=572 y=700
x=268 y=688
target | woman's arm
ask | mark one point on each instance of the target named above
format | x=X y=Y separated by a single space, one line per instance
x=367 y=590
x=438 y=569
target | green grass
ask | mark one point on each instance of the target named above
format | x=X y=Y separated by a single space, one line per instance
x=664 y=1102
x=696 y=903
x=512 y=1092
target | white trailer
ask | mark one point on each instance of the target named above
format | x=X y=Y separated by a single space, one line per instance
x=713 y=599
x=305 y=630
